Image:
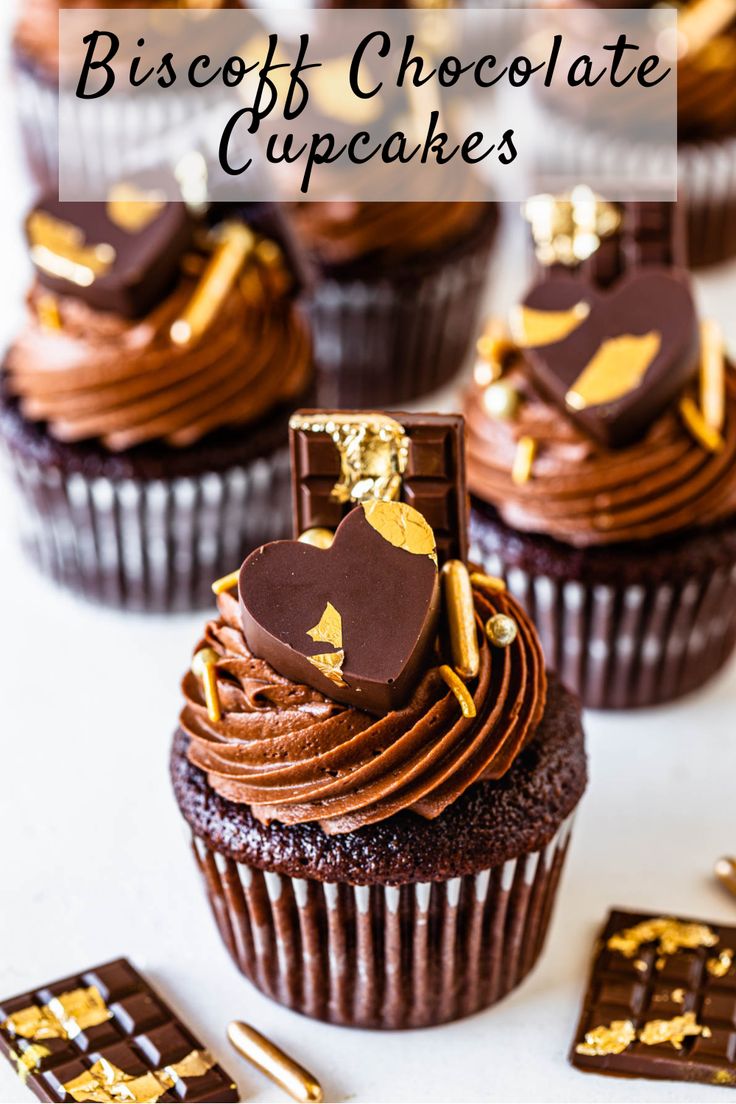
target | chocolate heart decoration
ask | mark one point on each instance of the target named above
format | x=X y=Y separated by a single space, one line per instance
x=612 y=360
x=355 y=620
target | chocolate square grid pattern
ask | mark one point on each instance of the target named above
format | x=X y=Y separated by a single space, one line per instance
x=106 y=1035
x=433 y=481
x=664 y=1007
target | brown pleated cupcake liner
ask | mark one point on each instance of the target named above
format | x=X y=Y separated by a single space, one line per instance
x=382 y=342
x=379 y=956
x=626 y=645
x=154 y=544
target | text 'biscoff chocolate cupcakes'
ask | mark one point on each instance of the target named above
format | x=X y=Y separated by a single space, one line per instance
x=396 y=293
x=145 y=403
x=378 y=775
x=601 y=449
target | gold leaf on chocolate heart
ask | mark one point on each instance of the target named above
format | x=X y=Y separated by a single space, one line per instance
x=618 y=367
x=531 y=327
x=133 y=209
x=328 y=630
x=330 y=665
x=59 y=249
x=402 y=526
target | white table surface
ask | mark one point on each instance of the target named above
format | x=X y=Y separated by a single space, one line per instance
x=93 y=861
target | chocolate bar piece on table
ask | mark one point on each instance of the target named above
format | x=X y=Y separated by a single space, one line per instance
x=106 y=1035
x=661 y=1002
x=341 y=458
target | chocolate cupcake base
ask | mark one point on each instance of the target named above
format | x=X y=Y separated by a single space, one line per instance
x=406 y=923
x=627 y=625
x=707 y=180
x=382 y=339
x=150 y=529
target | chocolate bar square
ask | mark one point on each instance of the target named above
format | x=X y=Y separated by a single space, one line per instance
x=424 y=455
x=77 y=1034
x=676 y=1021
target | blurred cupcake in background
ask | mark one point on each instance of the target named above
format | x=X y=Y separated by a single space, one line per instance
x=145 y=403
x=602 y=465
x=396 y=295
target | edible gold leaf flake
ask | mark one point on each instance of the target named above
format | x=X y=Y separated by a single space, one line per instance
x=330 y=664
x=402 y=526
x=719 y=967
x=611 y=1039
x=194 y=1064
x=617 y=368
x=724 y=1077
x=670 y=935
x=79 y=1009
x=532 y=328
x=373 y=450
x=567 y=229
x=34 y=1023
x=105 y=1082
x=329 y=628
x=59 y=249
x=672 y=1031
x=133 y=209
x=30 y=1059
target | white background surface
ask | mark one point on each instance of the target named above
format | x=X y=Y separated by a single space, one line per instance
x=93 y=861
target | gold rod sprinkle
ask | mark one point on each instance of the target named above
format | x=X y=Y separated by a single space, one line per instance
x=526 y=450
x=712 y=375
x=235 y=244
x=460 y=611
x=204 y=666
x=47 y=310
x=459 y=689
x=487 y=582
x=710 y=439
x=271 y=1060
x=227 y=582
x=725 y=871
x=703 y=21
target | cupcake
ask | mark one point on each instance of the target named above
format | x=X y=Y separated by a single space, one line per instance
x=601 y=448
x=396 y=294
x=378 y=774
x=144 y=406
x=36 y=76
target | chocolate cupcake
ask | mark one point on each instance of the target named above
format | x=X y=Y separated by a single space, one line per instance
x=381 y=804
x=144 y=406
x=396 y=295
x=36 y=84
x=601 y=449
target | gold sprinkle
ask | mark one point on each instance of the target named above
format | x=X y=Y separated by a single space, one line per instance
x=271 y=1060
x=673 y=1031
x=611 y=1039
x=34 y=1023
x=317 y=537
x=459 y=689
x=227 y=582
x=487 y=582
x=330 y=665
x=501 y=630
x=133 y=209
x=712 y=375
x=568 y=228
x=373 y=451
x=724 y=1077
x=204 y=664
x=47 y=311
x=640 y=965
x=660 y=963
x=328 y=630
x=59 y=249
x=526 y=450
x=617 y=368
x=30 y=1059
x=235 y=244
x=460 y=612
x=402 y=526
x=501 y=400
x=533 y=328
x=719 y=967
x=678 y=995
x=725 y=871
x=194 y=1064
x=709 y=438
x=670 y=935
x=62 y=1018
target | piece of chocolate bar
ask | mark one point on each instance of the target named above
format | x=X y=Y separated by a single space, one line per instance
x=661 y=1002
x=106 y=1035
x=121 y=256
x=341 y=458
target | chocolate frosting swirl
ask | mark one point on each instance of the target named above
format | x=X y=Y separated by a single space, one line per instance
x=337 y=233
x=295 y=756
x=585 y=494
x=124 y=382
